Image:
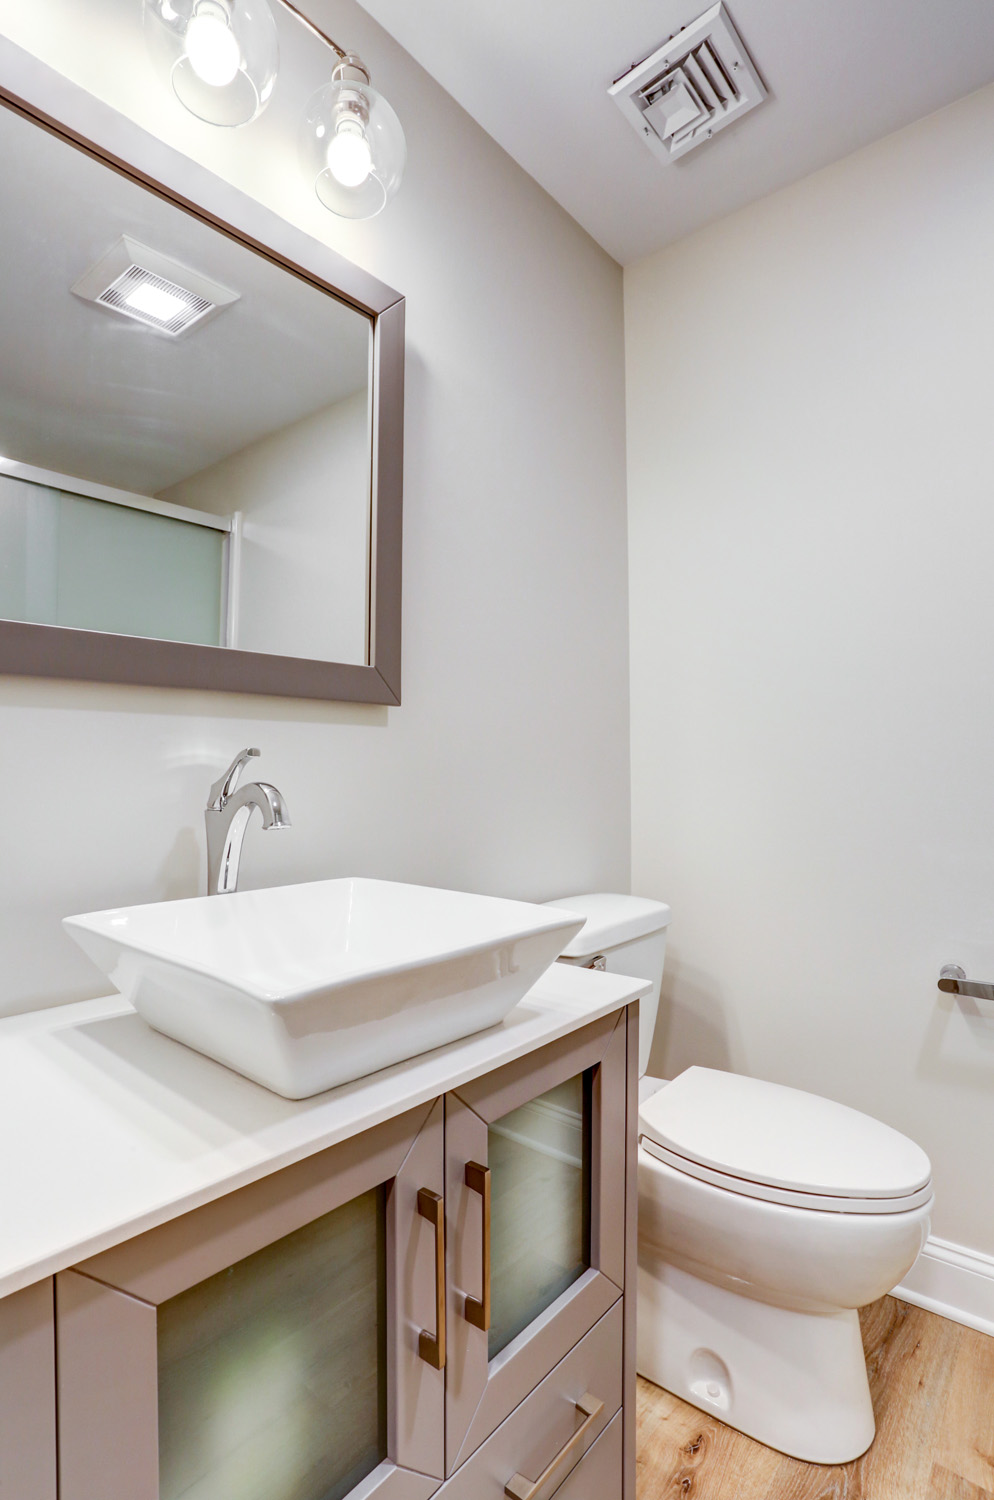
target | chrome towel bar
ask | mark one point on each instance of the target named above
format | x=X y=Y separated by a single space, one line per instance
x=953 y=980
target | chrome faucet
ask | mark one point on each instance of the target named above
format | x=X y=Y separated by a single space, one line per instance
x=227 y=815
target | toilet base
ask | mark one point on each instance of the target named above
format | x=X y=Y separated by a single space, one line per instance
x=795 y=1381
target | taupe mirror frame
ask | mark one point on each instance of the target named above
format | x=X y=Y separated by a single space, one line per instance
x=55 y=104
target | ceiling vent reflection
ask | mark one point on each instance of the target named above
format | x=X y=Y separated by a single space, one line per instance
x=152 y=289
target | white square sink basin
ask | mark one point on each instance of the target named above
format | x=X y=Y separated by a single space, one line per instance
x=303 y=987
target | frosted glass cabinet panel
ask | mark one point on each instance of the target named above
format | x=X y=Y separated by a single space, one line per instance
x=535 y=1197
x=272 y=1373
x=274 y=1345
x=539 y=1158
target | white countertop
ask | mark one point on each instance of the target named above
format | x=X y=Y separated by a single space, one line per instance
x=110 y=1128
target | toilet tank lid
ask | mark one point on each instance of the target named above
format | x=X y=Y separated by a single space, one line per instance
x=611 y=920
x=765 y=1132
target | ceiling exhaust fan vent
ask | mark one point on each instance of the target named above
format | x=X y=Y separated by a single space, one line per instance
x=690 y=88
x=152 y=288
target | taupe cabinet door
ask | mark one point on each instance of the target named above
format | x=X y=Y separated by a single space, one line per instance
x=535 y=1195
x=278 y=1344
x=27 y=1394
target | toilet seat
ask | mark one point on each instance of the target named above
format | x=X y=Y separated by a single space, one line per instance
x=781 y=1145
x=792 y=1199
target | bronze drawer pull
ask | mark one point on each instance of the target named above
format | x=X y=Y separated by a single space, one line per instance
x=431 y=1347
x=520 y=1488
x=477 y=1309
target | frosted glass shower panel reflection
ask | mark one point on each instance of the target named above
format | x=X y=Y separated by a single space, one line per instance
x=90 y=564
x=539 y=1158
x=272 y=1374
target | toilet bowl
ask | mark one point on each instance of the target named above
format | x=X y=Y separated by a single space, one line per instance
x=767 y=1217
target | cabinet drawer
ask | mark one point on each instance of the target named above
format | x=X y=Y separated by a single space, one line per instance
x=543 y=1425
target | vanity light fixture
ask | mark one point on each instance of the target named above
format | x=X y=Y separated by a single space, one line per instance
x=221 y=56
x=151 y=288
x=352 y=145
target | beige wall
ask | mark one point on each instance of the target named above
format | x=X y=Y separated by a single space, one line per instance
x=812 y=547
x=506 y=768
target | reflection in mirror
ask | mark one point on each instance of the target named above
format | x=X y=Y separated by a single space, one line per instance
x=185 y=425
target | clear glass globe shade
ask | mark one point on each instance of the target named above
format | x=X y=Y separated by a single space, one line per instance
x=340 y=120
x=220 y=56
x=213 y=50
x=350 y=159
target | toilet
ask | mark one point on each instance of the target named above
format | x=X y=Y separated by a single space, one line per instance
x=767 y=1217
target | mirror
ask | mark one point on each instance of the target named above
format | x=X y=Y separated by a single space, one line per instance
x=199 y=440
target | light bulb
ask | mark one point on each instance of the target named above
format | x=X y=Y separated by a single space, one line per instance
x=351 y=144
x=350 y=159
x=213 y=50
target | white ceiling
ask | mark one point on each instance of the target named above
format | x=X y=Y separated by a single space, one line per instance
x=87 y=392
x=841 y=73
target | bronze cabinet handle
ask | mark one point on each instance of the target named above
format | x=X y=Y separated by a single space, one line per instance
x=431 y=1347
x=477 y=1309
x=520 y=1488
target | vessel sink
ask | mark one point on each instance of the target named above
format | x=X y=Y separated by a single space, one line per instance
x=304 y=987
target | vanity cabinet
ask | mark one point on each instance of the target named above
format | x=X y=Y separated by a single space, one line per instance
x=433 y=1307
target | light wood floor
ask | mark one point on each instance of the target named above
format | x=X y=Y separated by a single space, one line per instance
x=933 y=1395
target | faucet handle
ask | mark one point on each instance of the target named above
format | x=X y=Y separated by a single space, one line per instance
x=225 y=785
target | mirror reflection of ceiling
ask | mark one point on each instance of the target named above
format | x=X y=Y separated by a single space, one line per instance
x=90 y=393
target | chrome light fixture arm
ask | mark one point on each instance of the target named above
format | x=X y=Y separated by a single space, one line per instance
x=316 y=30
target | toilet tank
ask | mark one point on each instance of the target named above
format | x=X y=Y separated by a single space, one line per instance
x=625 y=935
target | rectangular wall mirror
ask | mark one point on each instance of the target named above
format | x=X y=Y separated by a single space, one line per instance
x=200 y=436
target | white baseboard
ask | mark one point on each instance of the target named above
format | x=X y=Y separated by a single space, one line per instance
x=954 y=1282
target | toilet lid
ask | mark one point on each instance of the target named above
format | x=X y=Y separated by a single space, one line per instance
x=766 y=1133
